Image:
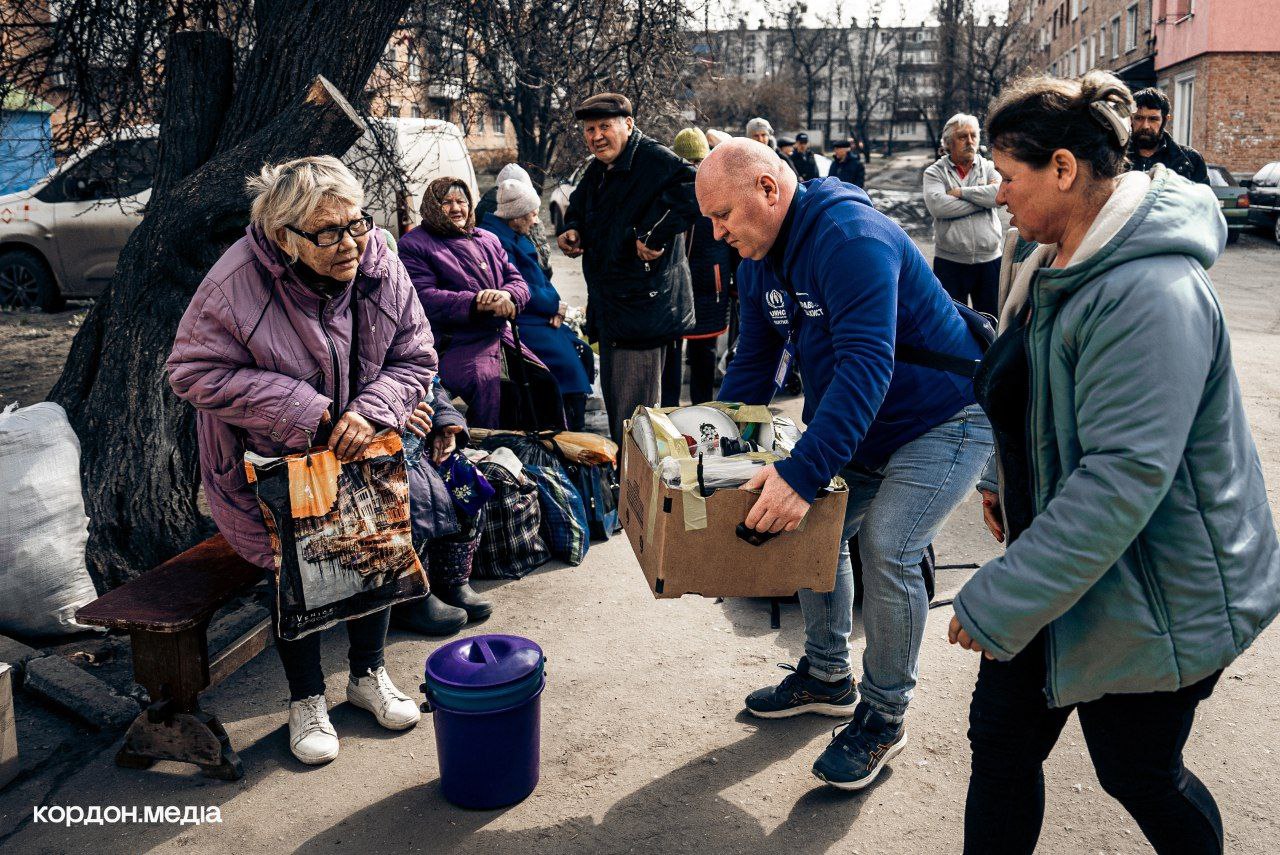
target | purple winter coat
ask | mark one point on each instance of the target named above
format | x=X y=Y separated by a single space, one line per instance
x=448 y=273
x=253 y=356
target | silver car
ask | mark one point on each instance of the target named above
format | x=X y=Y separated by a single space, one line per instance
x=61 y=237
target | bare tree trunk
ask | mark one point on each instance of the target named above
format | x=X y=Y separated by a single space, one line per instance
x=138 y=448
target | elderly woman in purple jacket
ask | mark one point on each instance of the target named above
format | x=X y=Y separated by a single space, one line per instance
x=470 y=291
x=264 y=355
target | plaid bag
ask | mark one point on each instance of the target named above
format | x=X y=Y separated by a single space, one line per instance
x=510 y=545
x=564 y=517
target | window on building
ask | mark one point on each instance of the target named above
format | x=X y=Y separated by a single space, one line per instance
x=1084 y=5
x=749 y=65
x=1183 y=108
x=499 y=122
x=443 y=112
x=415 y=112
x=394 y=111
x=1115 y=37
x=1075 y=9
x=415 y=62
x=1131 y=27
x=479 y=121
x=1102 y=44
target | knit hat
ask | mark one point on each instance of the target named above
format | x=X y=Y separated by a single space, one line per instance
x=515 y=199
x=603 y=106
x=691 y=144
x=714 y=137
x=758 y=125
x=516 y=171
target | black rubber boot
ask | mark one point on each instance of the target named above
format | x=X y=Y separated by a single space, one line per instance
x=428 y=616
x=465 y=597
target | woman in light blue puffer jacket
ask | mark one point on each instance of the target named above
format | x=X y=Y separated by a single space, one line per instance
x=1142 y=555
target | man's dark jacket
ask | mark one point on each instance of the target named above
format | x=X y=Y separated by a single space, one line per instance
x=850 y=170
x=1182 y=159
x=805 y=163
x=647 y=195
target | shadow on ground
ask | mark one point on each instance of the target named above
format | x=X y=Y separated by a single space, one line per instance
x=675 y=813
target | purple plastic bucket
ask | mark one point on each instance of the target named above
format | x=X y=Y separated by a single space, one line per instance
x=489 y=758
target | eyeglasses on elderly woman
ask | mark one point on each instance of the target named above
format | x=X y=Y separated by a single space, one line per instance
x=333 y=235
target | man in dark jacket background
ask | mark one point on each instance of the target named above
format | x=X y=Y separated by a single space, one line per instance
x=846 y=165
x=1151 y=143
x=627 y=219
x=834 y=285
x=803 y=160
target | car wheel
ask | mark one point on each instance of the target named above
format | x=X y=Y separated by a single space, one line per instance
x=1233 y=236
x=556 y=219
x=25 y=282
x=1277 y=229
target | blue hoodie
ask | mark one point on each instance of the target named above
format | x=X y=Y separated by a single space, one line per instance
x=862 y=286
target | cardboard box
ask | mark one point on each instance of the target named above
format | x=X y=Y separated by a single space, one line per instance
x=8 y=727
x=714 y=561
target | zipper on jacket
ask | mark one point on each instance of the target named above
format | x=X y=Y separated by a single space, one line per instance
x=1158 y=609
x=333 y=365
x=645 y=240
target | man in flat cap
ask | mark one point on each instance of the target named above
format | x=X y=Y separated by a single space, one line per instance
x=627 y=219
x=846 y=165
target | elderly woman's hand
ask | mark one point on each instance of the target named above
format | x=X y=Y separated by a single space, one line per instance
x=445 y=443
x=351 y=436
x=420 y=420
x=496 y=302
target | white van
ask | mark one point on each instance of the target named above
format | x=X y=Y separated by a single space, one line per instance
x=61 y=237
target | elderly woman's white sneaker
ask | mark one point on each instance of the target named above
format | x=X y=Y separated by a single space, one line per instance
x=376 y=693
x=312 y=738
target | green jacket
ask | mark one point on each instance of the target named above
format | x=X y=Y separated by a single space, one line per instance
x=1152 y=560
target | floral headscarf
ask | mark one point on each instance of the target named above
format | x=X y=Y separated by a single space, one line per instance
x=433 y=216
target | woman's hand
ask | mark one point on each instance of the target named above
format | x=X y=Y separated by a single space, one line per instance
x=445 y=443
x=991 y=515
x=957 y=635
x=420 y=420
x=496 y=302
x=351 y=436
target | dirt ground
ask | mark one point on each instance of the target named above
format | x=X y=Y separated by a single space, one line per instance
x=644 y=745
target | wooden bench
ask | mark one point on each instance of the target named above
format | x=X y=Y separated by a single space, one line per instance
x=166 y=612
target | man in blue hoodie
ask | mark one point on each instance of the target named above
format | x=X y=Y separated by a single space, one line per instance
x=886 y=360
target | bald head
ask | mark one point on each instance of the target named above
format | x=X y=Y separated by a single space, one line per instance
x=745 y=189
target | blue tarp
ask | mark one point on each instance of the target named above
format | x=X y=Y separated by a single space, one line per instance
x=26 y=148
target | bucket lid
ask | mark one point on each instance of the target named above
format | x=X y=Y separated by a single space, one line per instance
x=484 y=661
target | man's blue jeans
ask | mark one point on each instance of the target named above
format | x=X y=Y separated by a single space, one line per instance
x=896 y=512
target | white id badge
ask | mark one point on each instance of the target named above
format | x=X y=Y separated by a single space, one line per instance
x=784 y=368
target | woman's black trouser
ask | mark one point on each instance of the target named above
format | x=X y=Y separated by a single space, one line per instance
x=301 y=658
x=702 y=369
x=1135 y=742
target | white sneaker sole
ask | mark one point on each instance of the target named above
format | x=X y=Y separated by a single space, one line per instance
x=833 y=710
x=315 y=760
x=355 y=700
x=867 y=781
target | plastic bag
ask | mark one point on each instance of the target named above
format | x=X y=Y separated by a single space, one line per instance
x=43 y=529
x=341 y=533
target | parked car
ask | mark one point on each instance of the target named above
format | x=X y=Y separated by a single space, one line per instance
x=1264 y=199
x=62 y=236
x=1233 y=199
x=559 y=203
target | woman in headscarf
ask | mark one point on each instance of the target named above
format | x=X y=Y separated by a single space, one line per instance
x=470 y=291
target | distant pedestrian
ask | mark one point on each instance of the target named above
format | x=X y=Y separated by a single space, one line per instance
x=806 y=165
x=846 y=166
x=761 y=131
x=786 y=151
x=960 y=192
x=1151 y=143
x=627 y=219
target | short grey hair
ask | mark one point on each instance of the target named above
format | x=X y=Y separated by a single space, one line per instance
x=287 y=194
x=957 y=121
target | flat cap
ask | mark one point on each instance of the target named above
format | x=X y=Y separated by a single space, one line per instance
x=603 y=105
x=840 y=144
x=786 y=141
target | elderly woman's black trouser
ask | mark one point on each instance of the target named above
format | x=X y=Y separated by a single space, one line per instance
x=1135 y=742
x=301 y=658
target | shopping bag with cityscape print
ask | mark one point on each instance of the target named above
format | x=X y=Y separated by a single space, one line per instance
x=341 y=533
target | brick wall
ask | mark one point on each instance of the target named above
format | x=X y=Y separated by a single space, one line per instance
x=1237 y=107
